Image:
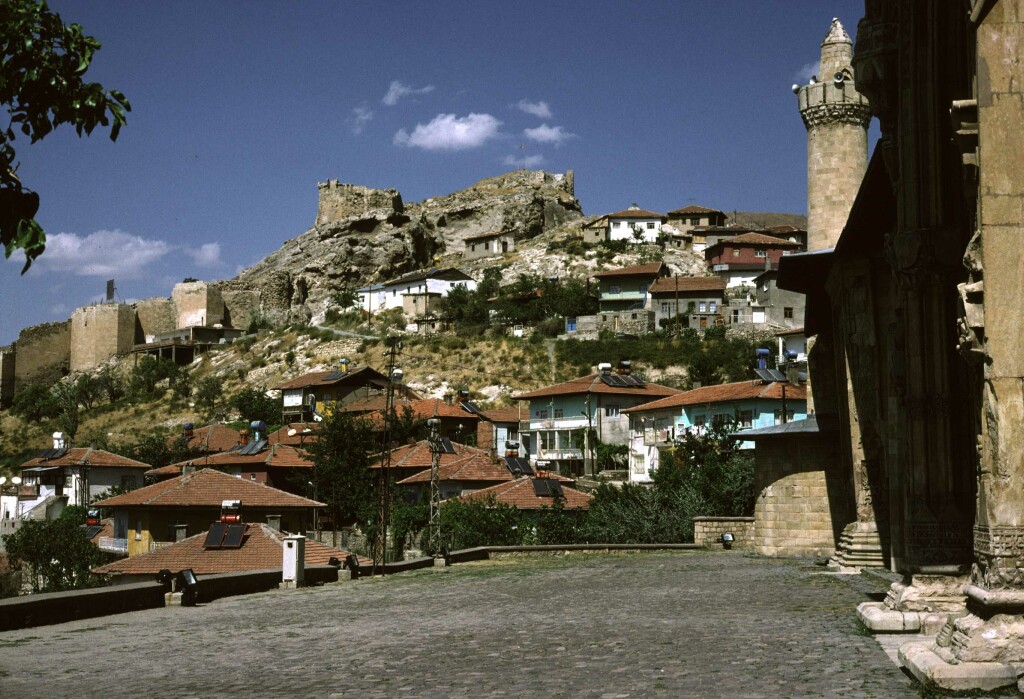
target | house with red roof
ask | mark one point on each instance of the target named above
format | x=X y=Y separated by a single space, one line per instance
x=261 y=548
x=635 y=225
x=456 y=420
x=409 y=459
x=654 y=426
x=330 y=388
x=566 y=421
x=277 y=465
x=690 y=217
x=208 y=439
x=534 y=494
x=167 y=511
x=456 y=477
x=698 y=300
x=73 y=476
x=739 y=259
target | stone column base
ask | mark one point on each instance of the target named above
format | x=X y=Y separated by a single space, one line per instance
x=923 y=606
x=878 y=618
x=859 y=547
x=932 y=668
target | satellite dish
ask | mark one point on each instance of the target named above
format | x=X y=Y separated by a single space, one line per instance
x=292 y=432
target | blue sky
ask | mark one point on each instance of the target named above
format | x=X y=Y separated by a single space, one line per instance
x=240 y=108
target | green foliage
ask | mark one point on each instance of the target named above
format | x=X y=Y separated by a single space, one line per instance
x=66 y=395
x=209 y=391
x=480 y=522
x=711 y=463
x=345 y=298
x=157 y=448
x=406 y=520
x=148 y=374
x=57 y=553
x=110 y=384
x=35 y=403
x=253 y=403
x=42 y=64
x=610 y=457
x=89 y=391
x=257 y=321
x=342 y=479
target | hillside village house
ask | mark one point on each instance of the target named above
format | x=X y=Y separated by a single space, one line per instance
x=488 y=245
x=790 y=233
x=382 y=297
x=468 y=474
x=635 y=225
x=277 y=465
x=556 y=435
x=596 y=231
x=690 y=217
x=535 y=494
x=320 y=388
x=62 y=476
x=740 y=259
x=655 y=425
x=699 y=300
x=168 y=511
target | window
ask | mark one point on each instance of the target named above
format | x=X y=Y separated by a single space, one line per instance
x=760 y=253
x=703 y=307
x=128 y=482
x=713 y=307
x=611 y=411
x=541 y=414
x=665 y=307
x=472 y=248
x=789 y=416
x=735 y=252
x=787 y=313
x=614 y=290
x=698 y=421
x=559 y=412
x=746 y=418
x=617 y=224
x=719 y=419
x=633 y=317
x=735 y=315
x=650 y=225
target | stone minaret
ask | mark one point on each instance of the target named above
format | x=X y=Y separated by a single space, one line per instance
x=836 y=117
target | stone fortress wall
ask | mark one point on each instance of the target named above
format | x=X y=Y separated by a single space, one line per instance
x=339 y=201
x=99 y=332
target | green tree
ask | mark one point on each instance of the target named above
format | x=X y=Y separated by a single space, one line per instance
x=345 y=298
x=253 y=403
x=66 y=395
x=209 y=391
x=341 y=457
x=110 y=384
x=57 y=554
x=89 y=390
x=35 y=403
x=481 y=522
x=42 y=86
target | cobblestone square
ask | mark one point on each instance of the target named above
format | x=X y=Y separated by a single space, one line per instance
x=685 y=624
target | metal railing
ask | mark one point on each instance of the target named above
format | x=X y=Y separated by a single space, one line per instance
x=113 y=545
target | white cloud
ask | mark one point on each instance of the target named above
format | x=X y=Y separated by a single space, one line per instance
x=100 y=254
x=449 y=132
x=527 y=161
x=398 y=90
x=361 y=116
x=806 y=72
x=208 y=255
x=548 y=134
x=541 y=110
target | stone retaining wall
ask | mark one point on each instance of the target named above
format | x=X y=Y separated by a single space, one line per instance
x=707 y=531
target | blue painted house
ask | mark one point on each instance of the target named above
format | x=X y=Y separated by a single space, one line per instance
x=654 y=426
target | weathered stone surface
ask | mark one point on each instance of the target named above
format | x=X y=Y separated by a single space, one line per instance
x=932 y=670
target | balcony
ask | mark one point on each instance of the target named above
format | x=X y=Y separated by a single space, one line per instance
x=556 y=423
x=657 y=437
x=112 y=545
x=559 y=454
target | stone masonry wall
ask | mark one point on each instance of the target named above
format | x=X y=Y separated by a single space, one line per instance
x=197 y=303
x=99 y=332
x=154 y=317
x=339 y=201
x=43 y=352
x=7 y=356
x=836 y=161
x=800 y=496
x=707 y=531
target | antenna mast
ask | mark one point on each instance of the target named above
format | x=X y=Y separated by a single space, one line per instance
x=436 y=449
x=380 y=548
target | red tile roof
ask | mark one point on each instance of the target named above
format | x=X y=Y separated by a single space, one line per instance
x=520 y=494
x=695 y=210
x=106 y=530
x=649 y=269
x=271 y=456
x=593 y=384
x=636 y=213
x=210 y=438
x=319 y=378
x=304 y=432
x=666 y=285
x=426 y=409
x=262 y=549
x=418 y=455
x=741 y=390
x=475 y=467
x=758 y=239
x=502 y=415
x=87 y=456
x=207 y=488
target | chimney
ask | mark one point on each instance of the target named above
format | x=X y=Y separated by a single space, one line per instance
x=293 y=563
x=274 y=522
x=188 y=470
x=180 y=532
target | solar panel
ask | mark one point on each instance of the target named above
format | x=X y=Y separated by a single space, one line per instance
x=524 y=464
x=47 y=454
x=215 y=535
x=612 y=380
x=446 y=446
x=333 y=377
x=93 y=530
x=763 y=375
x=777 y=375
x=542 y=487
x=471 y=406
x=632 y=381
x=253 y=447
x=233 y=540
x=518 y=466
x=556 y=489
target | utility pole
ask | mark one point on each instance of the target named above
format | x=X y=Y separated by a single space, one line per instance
x=436 y=449
x=380 y=547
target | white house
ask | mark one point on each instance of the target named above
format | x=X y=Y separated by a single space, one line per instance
x=626 y=224
x=381 y=297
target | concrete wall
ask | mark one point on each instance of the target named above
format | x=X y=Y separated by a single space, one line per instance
x=99 y=332
x=197 y=303
x=59 y=607
x=803 y=499
x=44 y=354
x=154 y=317
x=707 y=531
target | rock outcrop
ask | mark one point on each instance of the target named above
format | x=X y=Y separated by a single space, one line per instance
x=363 y=236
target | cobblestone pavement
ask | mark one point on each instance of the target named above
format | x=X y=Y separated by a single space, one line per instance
x=685 y=624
